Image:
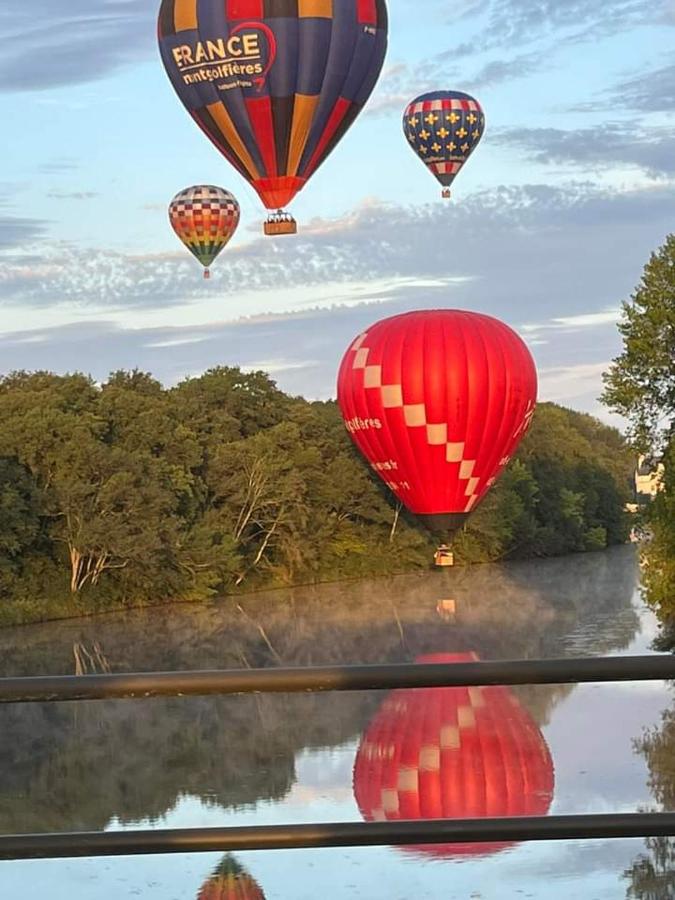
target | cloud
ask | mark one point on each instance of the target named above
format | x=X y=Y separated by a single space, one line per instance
x=652 y=149
x=574 y=323
x=650 y=92
x=500 y=70
x=58 y=166
x=487 y=247
x=280 y=366
x=552 y=262
x=301 y=351
x=52 y=43
x=401 y=82
x=17 y=233
x=509 y=23
x=72 y=195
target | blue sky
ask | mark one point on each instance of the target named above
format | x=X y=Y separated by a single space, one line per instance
x=551 y=223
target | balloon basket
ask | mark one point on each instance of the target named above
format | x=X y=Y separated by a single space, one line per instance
x=446 y=194
x=280 y=223
x=207 y=274
x=444 y=558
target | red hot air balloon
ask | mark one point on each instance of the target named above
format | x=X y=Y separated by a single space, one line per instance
x=452 y=753
x=437 y=402
x=274 y=84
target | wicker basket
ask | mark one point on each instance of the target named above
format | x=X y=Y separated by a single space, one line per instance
x=275 y=227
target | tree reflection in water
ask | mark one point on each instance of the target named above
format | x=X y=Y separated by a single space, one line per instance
x=652 y=875
x=72 y=767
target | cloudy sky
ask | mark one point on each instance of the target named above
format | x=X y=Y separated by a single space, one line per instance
x=551 y=222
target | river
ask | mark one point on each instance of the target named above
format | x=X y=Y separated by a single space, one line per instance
x=302 y=758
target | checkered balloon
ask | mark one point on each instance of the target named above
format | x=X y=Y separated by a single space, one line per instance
x=205 y=219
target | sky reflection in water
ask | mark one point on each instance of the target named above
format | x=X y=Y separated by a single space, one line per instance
x=248 y=760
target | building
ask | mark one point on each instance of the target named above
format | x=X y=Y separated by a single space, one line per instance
x=648 y=479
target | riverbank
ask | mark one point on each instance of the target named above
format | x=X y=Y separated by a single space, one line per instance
x=79 y=607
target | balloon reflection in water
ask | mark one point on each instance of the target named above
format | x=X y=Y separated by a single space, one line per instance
x=230 y=882
x=453 y=753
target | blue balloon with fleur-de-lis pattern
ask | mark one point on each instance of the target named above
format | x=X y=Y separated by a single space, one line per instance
x=444 y=128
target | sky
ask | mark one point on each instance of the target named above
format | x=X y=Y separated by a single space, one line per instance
x=551 y=222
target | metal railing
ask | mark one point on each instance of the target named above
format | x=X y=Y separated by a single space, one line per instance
x=49 y=689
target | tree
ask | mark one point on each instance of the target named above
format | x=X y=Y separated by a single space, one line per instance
x=126 y=492
x=640 y=384
x=658 y=569
x=20 y=524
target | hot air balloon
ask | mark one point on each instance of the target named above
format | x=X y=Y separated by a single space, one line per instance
x=205 y=219
x=452 y=753
x=230 y=882
x=437 y=401
x=444 y=128
x=275 y=84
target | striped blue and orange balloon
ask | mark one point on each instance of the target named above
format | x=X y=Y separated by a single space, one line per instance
x=444 y=128
x=275 y=84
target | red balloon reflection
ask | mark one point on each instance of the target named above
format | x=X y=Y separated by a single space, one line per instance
x=453 y=753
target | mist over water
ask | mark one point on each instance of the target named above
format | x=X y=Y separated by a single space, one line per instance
x=187 y=762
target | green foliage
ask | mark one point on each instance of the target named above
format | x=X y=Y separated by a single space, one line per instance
x=127 y=493
x=640 y=385
x=658 y=562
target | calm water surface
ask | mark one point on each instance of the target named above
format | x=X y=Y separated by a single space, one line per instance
x=261 y=760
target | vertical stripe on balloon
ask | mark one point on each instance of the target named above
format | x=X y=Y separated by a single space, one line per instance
x=316 y=8
x=205 y=121
x=282 y=115
x=342 y=129
x=224 y=122
x=336 y=117
x=303 y=116
x=260 y=115
x=367 y=12
x=166 y=24
x=244 y=9
x=282 y=9
x=186 y=15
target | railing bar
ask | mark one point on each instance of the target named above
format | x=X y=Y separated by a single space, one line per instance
x=351 y=834
x=46 y=689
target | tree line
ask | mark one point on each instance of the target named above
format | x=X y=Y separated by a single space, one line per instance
x=130 y=493
x=640 y=385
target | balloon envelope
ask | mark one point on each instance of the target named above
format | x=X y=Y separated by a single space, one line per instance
x=275 y=84
x=444 y=128
x=437 y=401
x=205 y=219
x=230 y=882
x=453 y=753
